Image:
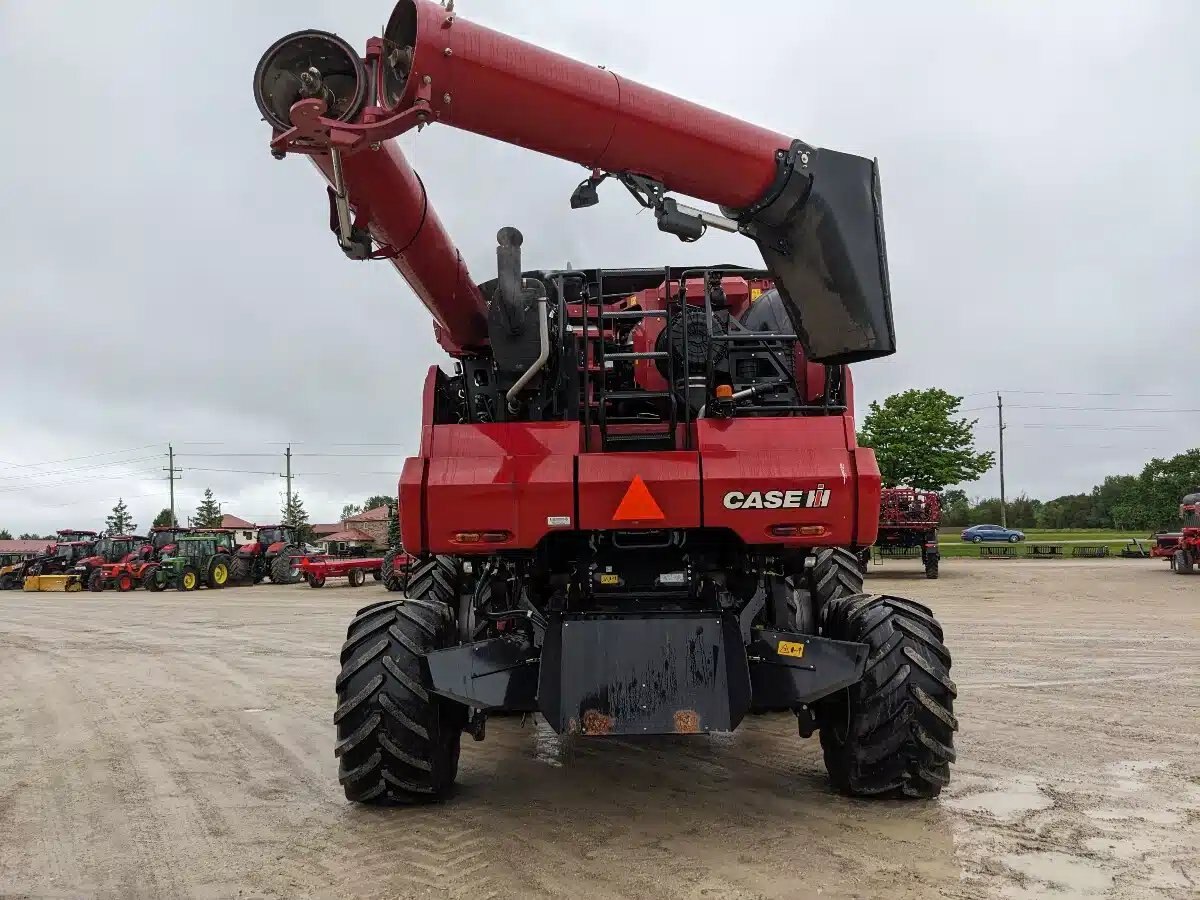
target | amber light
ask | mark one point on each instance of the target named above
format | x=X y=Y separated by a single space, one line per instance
x=482 y=537
x=796 y=530
x=723 y=391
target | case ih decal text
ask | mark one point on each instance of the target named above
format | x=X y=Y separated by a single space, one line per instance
x=818 y=498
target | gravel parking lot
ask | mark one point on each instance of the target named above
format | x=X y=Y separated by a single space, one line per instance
x=171 y=745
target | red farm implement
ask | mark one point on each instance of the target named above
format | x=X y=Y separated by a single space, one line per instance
x=316 y=570
x=1182 y=548
x=908 y=527
x=638 y=500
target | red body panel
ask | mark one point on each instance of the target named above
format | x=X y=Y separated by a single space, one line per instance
x=514 y=478
x=583 y=113
x=805 y=459
x=672 y=480
x=523 y=479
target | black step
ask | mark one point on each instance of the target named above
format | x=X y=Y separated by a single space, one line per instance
x=647 y=355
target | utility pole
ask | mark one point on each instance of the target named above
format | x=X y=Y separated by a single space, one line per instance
x=1000 y=414
x=171 y=477
x=288 y=476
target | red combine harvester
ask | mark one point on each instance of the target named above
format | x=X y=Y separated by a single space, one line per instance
x=633 y=490
x=1182 y=548
x=908 y=526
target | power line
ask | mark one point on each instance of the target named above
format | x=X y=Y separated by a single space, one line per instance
x=16 y=489
x=1142 y=428
x=54 y=462
x=1068 y=394
x=236 y=471
x=51 y=473
x=1109 y=409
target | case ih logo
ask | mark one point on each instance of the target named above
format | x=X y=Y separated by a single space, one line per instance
x=814 y=499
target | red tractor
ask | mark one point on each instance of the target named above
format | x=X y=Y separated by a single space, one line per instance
x=275 y=553
x=908 y=526
x=638 y=501
x=108 y=565
x=137 y=568
x=61 y=556
x=1182 y=548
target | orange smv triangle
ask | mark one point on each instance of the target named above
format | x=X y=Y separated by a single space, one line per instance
x=638 y=503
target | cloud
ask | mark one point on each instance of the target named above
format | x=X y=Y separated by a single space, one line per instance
x=166 y=281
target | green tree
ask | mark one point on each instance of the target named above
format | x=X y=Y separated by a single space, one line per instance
x=393 y=534
x=5 y=534
x=956 y=509
x=1163 y=483
x=165 y=519
x=921 y=441
x=31 y=536
x=208 y=513
x=120 y=521
x=377 y=501
x=296 y=516
x=350 y=509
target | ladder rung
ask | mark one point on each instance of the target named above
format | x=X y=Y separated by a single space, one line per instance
x=636 y=314
x=644 y=438
x=634 y=395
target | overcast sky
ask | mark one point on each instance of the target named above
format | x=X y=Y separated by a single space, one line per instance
x=164 y=280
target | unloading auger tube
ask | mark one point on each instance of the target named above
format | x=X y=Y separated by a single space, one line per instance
x=814 y=213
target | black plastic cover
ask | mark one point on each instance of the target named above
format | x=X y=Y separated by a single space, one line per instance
x=821 y=235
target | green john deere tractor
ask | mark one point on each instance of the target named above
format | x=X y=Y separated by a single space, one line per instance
x=199 y=559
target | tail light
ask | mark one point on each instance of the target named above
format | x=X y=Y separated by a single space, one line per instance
x=482 y=537
x=790 y=531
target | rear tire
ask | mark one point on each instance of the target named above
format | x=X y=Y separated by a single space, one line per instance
x=283 y=570
x=397 y=741
x=218 y=572
x=357 y=578
x=931 y=569
x=1183 y=562
x=7 y=582
x=835 y=573
x=95 y=581
x=892 y=733
x=150 y=581
x=387 y=573
x=239 y=570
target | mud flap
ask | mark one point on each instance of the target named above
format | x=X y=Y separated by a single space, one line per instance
x=788 y=670
x=651 y=674
x=497 y=674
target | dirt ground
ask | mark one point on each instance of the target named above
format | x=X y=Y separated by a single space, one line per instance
x=163 y=745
